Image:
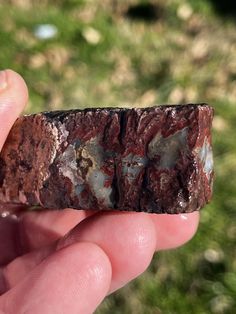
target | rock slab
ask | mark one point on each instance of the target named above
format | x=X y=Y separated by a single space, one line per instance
x=156 y=159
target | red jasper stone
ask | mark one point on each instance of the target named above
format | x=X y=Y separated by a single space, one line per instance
x=156 y=159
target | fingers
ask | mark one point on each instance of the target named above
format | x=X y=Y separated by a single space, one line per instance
x=175 y=230
x=72 y=280
x=128 y=239
x=13 y=98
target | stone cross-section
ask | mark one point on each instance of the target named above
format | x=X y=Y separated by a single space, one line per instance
x=156 y=159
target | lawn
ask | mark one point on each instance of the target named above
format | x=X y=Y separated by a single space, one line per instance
x=139 y=53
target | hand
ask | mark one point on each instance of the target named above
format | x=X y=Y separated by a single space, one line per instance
x=68 y=261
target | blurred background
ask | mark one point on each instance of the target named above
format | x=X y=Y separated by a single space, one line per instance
x=77 y=53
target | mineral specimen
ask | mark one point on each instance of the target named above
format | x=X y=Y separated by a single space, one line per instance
x=156 y=159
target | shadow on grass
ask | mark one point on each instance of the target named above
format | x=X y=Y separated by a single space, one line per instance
x=146 y=12
x=225 y=8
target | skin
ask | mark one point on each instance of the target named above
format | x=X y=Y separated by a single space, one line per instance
x=69 y=261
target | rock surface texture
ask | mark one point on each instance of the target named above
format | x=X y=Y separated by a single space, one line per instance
x=156 y=159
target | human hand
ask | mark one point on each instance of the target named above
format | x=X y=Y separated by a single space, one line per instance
x=68 y=261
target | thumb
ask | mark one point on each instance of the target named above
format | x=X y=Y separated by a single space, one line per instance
x=73 y=280
x=13 y=98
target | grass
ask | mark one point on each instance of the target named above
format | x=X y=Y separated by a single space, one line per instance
x=101 y=57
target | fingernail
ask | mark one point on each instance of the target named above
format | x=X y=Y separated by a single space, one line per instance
x=3 y=80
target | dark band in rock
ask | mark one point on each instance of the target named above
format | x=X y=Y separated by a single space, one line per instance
x=156 y=159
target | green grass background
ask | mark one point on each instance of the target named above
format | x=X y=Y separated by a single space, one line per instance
x=102 y=57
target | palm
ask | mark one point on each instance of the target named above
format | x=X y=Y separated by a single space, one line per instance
x=68 y=261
